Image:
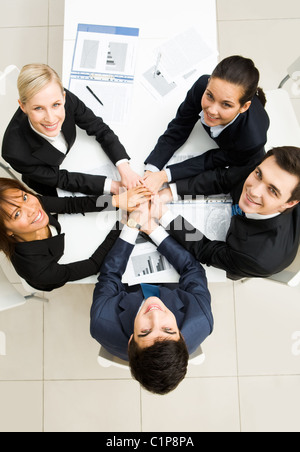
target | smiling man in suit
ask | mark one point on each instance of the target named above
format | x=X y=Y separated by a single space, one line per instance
x=263 y=237
x=154 y=327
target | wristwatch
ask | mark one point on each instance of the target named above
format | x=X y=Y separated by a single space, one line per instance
x=133 y=224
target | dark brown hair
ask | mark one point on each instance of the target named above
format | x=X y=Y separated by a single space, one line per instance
x=161 y=367
x=288 y=159
x=242 y=72
x=8 y=243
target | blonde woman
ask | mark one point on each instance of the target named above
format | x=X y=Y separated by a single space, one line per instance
x=42 y=132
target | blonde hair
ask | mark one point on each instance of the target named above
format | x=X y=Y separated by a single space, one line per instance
x=33 y=78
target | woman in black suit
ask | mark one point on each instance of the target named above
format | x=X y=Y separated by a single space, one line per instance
x=31 y=237
x=42 y=132
x=231 y=109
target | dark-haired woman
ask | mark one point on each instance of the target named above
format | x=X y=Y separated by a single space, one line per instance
x=230 y=106
x=31 y=237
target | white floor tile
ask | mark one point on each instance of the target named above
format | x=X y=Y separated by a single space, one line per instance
x=55 y=56
x=267 y=316
x=270 y=404
x=21 y=407
x=196 y=405
x=236 y=38
x=17 y=13
x=256 y=9
x=219 y=348
x=24 y=46
x=56 y=12
x=70 y=351
x=23 y=329
x=92 y=406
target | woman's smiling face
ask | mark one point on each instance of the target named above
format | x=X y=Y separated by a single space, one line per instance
x=25 y=215
x=46 y=110
x=221 y=102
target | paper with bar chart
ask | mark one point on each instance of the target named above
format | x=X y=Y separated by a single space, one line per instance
x=211 y=215
x=147 y=265
x=102 y=73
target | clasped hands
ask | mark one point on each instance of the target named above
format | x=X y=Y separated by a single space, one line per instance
x=130 y=179
x=142 y=200
x=142 y=206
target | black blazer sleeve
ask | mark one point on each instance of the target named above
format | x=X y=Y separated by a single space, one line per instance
x=180 y=127
x=240 y=144
x=37 y=263
x=234 y=261
x=253 y=248
x=213 y=182
x=77 y=204
x=192 y=274
x=84 y=118
x=39 y=162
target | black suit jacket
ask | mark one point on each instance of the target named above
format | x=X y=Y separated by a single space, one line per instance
x=240 y=144
x=37 y=261
x=253 y=248
x=38 y=161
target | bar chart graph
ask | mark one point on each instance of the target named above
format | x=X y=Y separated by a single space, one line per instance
x=149 y=263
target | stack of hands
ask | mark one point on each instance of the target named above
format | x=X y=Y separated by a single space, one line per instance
x=130 y=179
x=140 y=198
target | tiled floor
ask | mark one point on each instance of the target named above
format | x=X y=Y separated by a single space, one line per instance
x=250 y=381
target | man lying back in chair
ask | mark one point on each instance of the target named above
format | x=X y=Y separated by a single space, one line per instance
x=263 y=237
x=155 y=327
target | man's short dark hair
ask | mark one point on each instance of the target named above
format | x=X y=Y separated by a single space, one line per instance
x=161 y=367
x=288 y=159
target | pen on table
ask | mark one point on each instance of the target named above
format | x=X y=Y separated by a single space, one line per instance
x=93 y=94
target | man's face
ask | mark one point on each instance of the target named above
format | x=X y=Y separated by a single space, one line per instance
x=268 y=189
x=154 y=321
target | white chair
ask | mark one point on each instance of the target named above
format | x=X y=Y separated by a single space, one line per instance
x=106 y=359
x=9 y=104
x=284 y=127
x=32 y=292
x=198 y=357
x=291 y=275
x=9 y=270
x=9 y=296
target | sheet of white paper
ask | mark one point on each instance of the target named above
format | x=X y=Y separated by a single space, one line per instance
x=156 y=84
x=104 y=60
x=210 y=215
x=116 y=98
x=182 y=54
x=146 y=264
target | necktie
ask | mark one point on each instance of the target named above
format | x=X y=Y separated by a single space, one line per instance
x=236 y=210
x=150 y=291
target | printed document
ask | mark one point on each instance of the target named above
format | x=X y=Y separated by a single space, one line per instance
x=102 y=73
